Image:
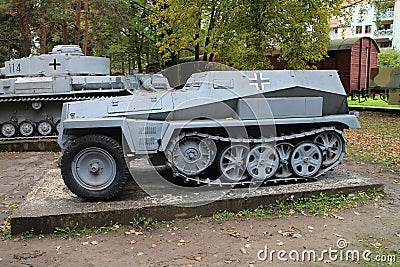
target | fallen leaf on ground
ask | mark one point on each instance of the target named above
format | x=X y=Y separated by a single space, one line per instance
x=153 y=245
x=140 y=254
x=233 y=233
x=337 y=217
x=94 y=243
x=130 y=232
x=377 y=245
x=243 y=250
x=132 y=242
x=247 y=245
x=193 y=257
x=280 y=244
x=297 y=236
x=85 y=243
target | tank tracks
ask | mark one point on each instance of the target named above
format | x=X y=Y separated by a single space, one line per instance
x=33 y=99
x=49 y=122
x=274 y=180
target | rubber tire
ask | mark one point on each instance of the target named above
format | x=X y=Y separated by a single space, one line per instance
x=13 y=124
x=33 y=125
x=56 y=125
x=111 y=146
x=53 y=128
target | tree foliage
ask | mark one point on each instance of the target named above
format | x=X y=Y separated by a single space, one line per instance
x=141 y=34
x=241 y=32
x=112 y=28
x=389 y=58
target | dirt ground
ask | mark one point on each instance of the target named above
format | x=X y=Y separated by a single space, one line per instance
x=203 y=242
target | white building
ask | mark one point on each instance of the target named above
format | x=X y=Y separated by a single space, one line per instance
x=383 y=27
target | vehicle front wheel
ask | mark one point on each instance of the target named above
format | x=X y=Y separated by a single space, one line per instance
x=93 y=167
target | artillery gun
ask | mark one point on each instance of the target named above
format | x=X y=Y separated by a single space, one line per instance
x=248 y=127
x=33 y=89
x=386 y=83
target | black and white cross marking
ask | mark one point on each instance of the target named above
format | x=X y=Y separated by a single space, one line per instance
x=55 y=64
x=259 y=81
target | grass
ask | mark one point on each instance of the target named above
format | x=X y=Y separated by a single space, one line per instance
x=381 y=255
x=138 y=221
x=378 y=139
x=368 y=103
x=321 y=204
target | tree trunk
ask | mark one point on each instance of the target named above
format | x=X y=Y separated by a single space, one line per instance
x=78 y=22
x=23 y=25
x=85 y=34
x=43 y=32
x=64 y=32
x=139 y=50
x=210 y=28
x=197 y=37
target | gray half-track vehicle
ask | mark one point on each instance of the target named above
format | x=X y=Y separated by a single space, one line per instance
x=33 y=89
x=248 y=127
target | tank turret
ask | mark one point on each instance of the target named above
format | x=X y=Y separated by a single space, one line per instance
x=33 y=89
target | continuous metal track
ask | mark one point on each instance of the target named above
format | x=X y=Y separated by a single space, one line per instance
x=219 y=182
x=19 y=138
x=65 y=98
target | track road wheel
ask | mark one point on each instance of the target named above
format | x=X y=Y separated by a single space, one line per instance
x=58 y=126
x=93 y=167
x=45 y=127
x=262 y=162
x=284 y=150
x=27 y=128
x=332 y=145
x=231 y=162
x=9 y=129
x=306 y=159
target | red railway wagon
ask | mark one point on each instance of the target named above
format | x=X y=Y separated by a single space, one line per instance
x=353 y=58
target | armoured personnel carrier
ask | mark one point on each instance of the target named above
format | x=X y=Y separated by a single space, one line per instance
x=33 y=89
x=249 y=127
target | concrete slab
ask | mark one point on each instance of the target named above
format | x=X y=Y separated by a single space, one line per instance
x=50 y=204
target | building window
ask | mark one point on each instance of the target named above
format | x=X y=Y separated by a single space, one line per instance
x=358 y=29
x=367 y=29
x=385 y=44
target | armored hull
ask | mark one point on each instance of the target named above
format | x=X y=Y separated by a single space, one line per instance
x=248 y=127
x=34 y=88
